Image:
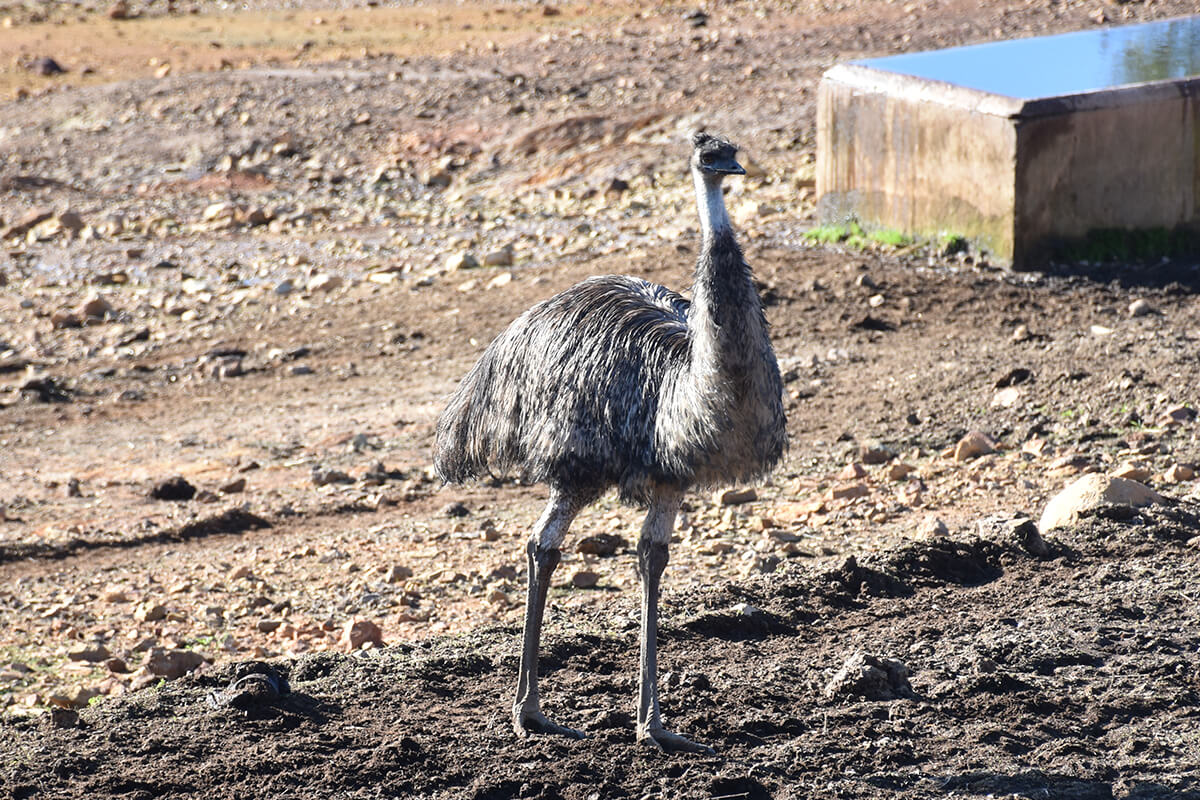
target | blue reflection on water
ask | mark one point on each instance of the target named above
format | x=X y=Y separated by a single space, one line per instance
x=1069 y=63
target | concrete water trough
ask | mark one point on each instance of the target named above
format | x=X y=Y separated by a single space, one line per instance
x=1070 y=146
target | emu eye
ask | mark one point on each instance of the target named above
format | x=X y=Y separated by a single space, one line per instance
x=706 y=158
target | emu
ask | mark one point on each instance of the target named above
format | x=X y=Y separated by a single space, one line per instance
x=619 y=382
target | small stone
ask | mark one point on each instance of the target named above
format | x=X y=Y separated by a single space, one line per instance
x=1133 y=471
x=358 y=632
x=119 y=10
x=326 y=477
x=47 y=66
x=90 y=653
x=602 y=544
x=1090 y=492
x=932 y=527
x=849 y=492
x=1141 y=308
x=1177 y=415
x=115 y=594
x=71 y=222
x=324 y=282
x=973 y=445
x=150 y=612
x=96 y=307
x=267 y=625
x=852 y=472
x=455 y=510
x=235 y=486
x=116 y=665
x=503 y=279
x=733 y=497
x=171 y=664
x=1021 y=333
x=63 y=318
x=77 y=696
x=899 y=471
x=174 y=488
x=585 y=579
x=397 y=574
x=1179 y=473
x=457 y=261
x=1100 y=330
x=239 y=572
x=1006 y=398
x=503 y=257
x=284 y=287
x=875 y=453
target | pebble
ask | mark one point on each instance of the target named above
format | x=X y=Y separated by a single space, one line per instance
x=1141 y=308
x=358 y=632
x=465 y=260
x=455 y=509
x=90 y=653
x=733 y=497
x=239 y=572
x=899 y=471
x=973 y=445
x=325 y=282
x=875 y=453
x=848 y=492
x=852 y=472
x=234 y=486
x=585 y=579
x=1021 y=333
x=326 y=477
x=602 y=544
x=77 y=696
x=397 y=573
x=284 y=287
x=869 y=677
x=150 y=612
x=171 y=663
x=174 y=488
x=1179 y=473
x=1006 y=398
x=932 y=527
x=1133 y=471
x=502 y=257
x=1092 y=491
x=267 y=625
x=115 y=594
x=119 y=10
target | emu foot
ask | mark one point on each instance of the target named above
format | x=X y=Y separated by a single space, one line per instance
x=668 y=742
x=527 y=722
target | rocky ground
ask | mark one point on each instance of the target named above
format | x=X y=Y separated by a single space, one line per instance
x=236 y=288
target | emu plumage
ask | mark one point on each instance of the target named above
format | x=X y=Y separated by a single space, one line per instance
x=618 y=382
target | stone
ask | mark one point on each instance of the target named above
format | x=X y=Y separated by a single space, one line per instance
x=932 y=527
x=1006 y=398
x=973 y=445
x=503 y=279
x=284 y=288
x=89 y=653
x=171 y=663
x=324 y=282
x=358 y=632
x=602 y=544
x=27 y=222
x=397 y=573
x=502 y=257
x=96 y=307
x=1133 y=471
x=585 y=579
x=899 y=471
x=174 y=488
x=849 y=492
x=70 y=222
x=1090 y=492
x=1177 y=415
x=1179 y=473
x=464 y=260
x=852 y=472
x=116 y=665
x=77 y=696
x=873 y=453
x=733 y=497
x=267 y=625
x=239 y=572
x=115 y=594
x=64 y=318
x=869 y=677
x=150 y=612
x=235 y=486
x=326 y=477
x=1141 y=308
x=119 y=10
x=455 y=509
x=47 y=66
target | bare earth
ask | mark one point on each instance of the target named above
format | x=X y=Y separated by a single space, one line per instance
x=267 y=228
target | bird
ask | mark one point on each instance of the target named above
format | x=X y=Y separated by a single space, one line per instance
x=621 y=383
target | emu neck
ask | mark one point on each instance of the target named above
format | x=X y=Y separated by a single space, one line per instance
x=711 y=201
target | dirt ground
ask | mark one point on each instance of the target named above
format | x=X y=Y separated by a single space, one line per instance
x=273 y=242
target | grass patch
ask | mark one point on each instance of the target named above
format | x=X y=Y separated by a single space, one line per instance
x=853 y=236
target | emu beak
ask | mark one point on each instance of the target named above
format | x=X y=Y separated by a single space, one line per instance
x=726 y=166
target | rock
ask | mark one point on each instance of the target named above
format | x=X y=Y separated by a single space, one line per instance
x=71 y=222
x=852 y=472
x=502 y=257
x=174 y=488
x=171 y=664
x=455 y=510
x=457 y=261
x=358 y=632
x=397 y=574
x=585 y=579
x=150 y=612
x=95 y=307
x=849 y=492
x=117 y=666
x=115 y=594
x=503 y=279
x=77 y=696
x=1090 y=492
x=239 y=572
x=875 y=453
x=267 y=625
x=27 y=222
x=90 y=653
x=932 y=527
x=326 y=477
x=63 y=318
x=119 y=10
x=602 y=544
x=733 y=497
x=1132 y=471
x=1021 y=334
x=284 y=287
x=973 y=445
x=899 y=471
x=1019 y=529
x=1179 y=473
x=324 y=282
x=235 y=486
x=1006 y=398
x=871 y=678
x=1177 y=415
x=46 y=66
x=1141 y=308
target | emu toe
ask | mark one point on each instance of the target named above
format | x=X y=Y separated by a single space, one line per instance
x=529 y=722
x=668 y=742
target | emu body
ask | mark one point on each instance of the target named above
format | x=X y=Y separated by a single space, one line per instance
x=618 y=382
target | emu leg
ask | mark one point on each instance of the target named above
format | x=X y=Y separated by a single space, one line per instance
x=652 y=560
x=543 y=558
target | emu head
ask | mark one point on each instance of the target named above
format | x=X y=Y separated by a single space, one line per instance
x=714 y=156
